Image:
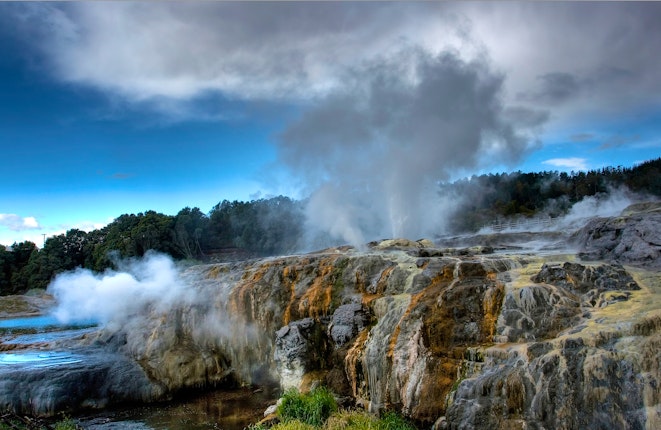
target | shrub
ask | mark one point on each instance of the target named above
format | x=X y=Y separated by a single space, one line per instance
x=313 y=408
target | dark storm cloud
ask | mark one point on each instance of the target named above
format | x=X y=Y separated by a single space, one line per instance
x=374 y=152
x=525 y=117
x=554 y=88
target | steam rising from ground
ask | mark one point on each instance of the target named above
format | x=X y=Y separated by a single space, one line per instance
x=609 y=204
x=150 y=283
x=602 y=205
x=371 y=156
x=149 y=308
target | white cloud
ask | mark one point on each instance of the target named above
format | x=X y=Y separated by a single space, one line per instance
x=570 y=61
x=85 y=226
x=17 y=223
x=244 y=50
x=571 y=163
x=18 y=229
x=30 y=222
x=284 y=50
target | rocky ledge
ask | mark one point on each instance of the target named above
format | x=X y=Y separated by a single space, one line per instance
x=470 y=340
x=451 y=338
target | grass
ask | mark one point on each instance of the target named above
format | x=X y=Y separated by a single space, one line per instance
x=394 y=421
x=347 y=420
x=318 y=410
x=313 y=408
x=10 y=421
x=66 y=424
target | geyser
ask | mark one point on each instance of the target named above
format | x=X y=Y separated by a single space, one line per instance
x=372 y=153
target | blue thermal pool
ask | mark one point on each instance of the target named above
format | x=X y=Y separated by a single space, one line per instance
x=39 y=359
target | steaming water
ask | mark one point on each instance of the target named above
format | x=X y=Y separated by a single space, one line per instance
x=40 y=322
x=110 y=299
x=48 y=329
x=28 y=339
x=39 y=359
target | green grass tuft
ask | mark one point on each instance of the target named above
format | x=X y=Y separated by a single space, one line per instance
x=66 y=424
x=394 y=421
x=318 y=410
x=313 y=408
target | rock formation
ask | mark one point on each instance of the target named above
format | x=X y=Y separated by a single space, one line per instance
x=632 y=238
x=450 y=338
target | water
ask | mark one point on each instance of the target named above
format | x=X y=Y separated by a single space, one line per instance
x=36 y=360
x=40 y=322
x=29 y=343
x=231 y=409
x=46 y=337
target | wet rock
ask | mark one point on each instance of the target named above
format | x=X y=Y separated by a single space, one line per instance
x=402 y=244
x=564 y=384
x=595 y=286
x=45 y=390
x=430 y=252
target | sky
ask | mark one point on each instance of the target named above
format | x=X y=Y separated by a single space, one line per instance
x=109 y=108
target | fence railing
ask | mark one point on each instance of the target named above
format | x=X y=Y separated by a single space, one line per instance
x=527 y=224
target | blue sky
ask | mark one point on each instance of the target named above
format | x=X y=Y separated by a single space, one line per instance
x=122 y=107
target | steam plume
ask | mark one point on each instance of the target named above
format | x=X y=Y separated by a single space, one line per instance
x=114 y=296
x=372 y=154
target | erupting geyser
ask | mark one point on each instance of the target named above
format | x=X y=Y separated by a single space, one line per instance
x=372 y=154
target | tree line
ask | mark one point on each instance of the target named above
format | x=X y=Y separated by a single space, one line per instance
x=260 y=228
x=275 y=226
x=499 y=196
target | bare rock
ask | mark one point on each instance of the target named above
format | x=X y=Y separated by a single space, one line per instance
x=634 y=238
x=347 y=321
x=537 y=312
x=580 y=279
x=299 y=347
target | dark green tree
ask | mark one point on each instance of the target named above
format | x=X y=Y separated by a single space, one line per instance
x=6 y=263
x=190 y=233
x=23 y=265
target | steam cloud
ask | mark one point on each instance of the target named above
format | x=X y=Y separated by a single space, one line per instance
x=609 y=204
x=372 y=154
x=84 y=296
x=154 y=307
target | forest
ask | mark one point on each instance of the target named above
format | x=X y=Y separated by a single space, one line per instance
x=275 y=226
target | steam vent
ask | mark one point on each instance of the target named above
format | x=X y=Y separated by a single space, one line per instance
x=566 y=336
